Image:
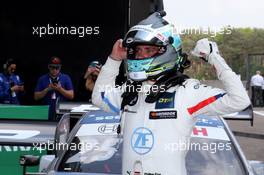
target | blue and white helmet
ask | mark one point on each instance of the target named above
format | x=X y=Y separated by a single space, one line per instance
x=154 y=31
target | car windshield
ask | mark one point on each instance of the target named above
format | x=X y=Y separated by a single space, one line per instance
x=212 y=156
x=102 y=154
x=91 y=153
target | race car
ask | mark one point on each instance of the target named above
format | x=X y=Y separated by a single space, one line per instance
x=23 y=128
x=97 y=149
x=20 y=128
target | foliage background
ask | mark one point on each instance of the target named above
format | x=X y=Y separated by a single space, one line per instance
x=236 y=47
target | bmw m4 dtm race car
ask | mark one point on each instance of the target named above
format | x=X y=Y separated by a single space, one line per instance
x=94 y=147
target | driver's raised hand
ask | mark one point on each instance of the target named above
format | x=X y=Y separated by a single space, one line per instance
x=204 y=48
x=119 y=52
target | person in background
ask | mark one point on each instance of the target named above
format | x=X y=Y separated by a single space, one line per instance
x=53 y=87
x=11 y=86
x=256 y=83
x=92 y=74
x=87 y=81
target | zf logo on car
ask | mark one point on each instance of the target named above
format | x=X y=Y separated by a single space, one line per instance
x=142 y=140
x=107 y=129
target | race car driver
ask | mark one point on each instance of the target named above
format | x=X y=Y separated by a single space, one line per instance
x=158 y=103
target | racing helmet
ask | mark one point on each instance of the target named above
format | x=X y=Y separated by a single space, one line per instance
x=153 y=31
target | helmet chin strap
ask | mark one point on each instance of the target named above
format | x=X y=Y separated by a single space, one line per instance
x=163 y=84
x=130 y=96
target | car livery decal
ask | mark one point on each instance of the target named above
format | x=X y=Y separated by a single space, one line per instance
x=210 y=127
x=17 y=134
x=210 y=133
x=98 y=129
x=203 y=120
x=100 y=117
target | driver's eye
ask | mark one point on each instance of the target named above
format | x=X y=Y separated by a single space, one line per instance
x=146 y=50
x=149 y=50
x=138 y=50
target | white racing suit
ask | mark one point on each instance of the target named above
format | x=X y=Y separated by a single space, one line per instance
x=149 y=128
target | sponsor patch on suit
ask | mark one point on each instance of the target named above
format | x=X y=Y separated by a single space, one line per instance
x=166 y=100
x=156 y=115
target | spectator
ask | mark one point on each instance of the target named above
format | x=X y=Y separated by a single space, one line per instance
x=54 y=86
x=11 y=87
x=87 y=81
x=256 y=87
x=92 y=74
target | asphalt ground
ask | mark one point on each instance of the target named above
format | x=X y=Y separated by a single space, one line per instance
x=250 y=138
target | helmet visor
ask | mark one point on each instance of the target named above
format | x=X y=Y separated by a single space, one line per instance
x=143 y=37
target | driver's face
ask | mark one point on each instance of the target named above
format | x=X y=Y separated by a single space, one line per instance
x=146 y=51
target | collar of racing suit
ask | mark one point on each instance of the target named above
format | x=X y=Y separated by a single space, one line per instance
x=154 y=89
x=163 y=84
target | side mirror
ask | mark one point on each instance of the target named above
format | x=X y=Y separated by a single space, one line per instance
x=29 y=160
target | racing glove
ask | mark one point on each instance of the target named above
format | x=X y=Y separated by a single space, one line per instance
x=204 y=48
x=208 y=51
